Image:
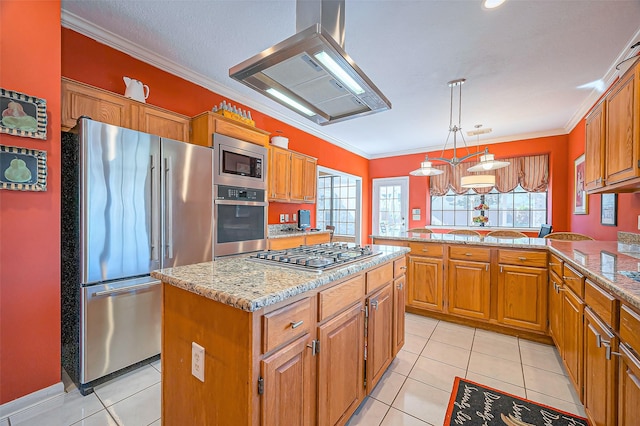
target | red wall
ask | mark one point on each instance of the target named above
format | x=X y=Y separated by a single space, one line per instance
x=30 y=221
x=88 y=61
x=555 y=146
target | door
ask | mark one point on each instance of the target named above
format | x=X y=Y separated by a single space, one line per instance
x=379 y=334
x=469 y=289
x=118 y=208
x=187 y=200
x=390 y=205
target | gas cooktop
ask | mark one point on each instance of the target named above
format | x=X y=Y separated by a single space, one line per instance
x=318 y=258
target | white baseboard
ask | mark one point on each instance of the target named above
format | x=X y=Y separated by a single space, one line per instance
x=30 y=401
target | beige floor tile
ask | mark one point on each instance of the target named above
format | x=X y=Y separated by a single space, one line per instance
x=4 y=421
x=460 y=337
x=143 y=408
x=369 y=413
x=419 y=328
x=549 y=383
x=127 y=385
x=500 y=369
x=421 y=318
x=546 y=360
x=157 y=365
x=403 y=362
x=398 y=418
x=435 y=373
x=454 y=326
x=499 y=348
x=496 y=384
x=496 y=336
x=452 y=355
x=422 y=401
x=413 y=343
x=388 y=387
x=101 y=418
x=535 y=346
x=63 y=410
x=556 y=403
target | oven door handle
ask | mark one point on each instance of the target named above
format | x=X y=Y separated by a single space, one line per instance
x=241 y=203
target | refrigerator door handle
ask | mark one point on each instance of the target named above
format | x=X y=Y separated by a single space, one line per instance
x=154 y=226
x=168 y=204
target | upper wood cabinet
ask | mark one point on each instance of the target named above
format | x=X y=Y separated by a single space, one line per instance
x=80 y=99
x=204 y=125
x=612 y=146
x=292 y=176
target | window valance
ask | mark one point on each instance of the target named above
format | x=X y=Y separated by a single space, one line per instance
x=531 y=172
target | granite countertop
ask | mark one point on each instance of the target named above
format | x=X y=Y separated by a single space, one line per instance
x=292 y=232
x=600 y=261
x=248 y=285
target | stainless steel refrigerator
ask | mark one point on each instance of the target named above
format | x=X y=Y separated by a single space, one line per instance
x=131 y=203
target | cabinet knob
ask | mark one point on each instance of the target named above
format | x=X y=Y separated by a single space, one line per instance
x=403 y=267
x=522 y=258
x=399 y=286
x=468 y=254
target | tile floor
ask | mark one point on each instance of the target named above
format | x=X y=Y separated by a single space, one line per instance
x=413 y=392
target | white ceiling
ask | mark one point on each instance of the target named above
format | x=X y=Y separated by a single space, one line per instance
x=533 y=67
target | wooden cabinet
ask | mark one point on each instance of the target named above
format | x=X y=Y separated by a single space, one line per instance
x=379 y=346
x=287 y=378
x=425 y=283
x=341 y=366
x=594 y=148
x=204 y=125
x=399 y=298
x=298 y=240
x=555 y=308
x=469 y=289
x=629 y=387
x=572 y=334
x=292 y=176
x=522 y=297
x=80 y=99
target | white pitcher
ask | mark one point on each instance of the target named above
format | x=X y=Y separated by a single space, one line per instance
x=135 y=89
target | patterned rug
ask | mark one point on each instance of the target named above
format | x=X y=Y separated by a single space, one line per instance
x=473 y=404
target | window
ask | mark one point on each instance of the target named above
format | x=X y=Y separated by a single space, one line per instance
x=337 y=204
x=514 y=209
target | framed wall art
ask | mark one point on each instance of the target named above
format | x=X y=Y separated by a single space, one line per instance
x=23 y=115
x=580 y=197
x=23 y=169
x=609 y=210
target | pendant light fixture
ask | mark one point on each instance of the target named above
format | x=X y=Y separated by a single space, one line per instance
x=479 y=181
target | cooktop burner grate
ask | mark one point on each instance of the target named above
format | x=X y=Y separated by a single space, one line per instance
x=318 y=258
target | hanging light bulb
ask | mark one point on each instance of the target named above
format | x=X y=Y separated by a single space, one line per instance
x=426 y=169
x=488 y=162
x=479 y=181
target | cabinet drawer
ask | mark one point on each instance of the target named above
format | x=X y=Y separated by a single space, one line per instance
x=379 y=277
x=629 y=326
x=335 y=299
x=602 y=303
x=555 y=264
x=285 y=324
x=573 y=279
x=317 y=238
x=399 y=267
x=285 y=242
x=425 y=249
x=523 y=258
x=476 y=254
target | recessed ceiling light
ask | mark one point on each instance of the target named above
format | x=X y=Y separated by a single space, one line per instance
x=492 y=4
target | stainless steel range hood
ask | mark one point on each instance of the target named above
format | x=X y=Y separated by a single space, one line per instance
x=310 y=72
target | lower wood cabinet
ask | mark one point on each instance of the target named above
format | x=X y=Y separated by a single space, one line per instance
x=298 y=240
x=572 y=333
x=379 y=346
x=629 y=387
x=555 y=308
x=399 y=298
x=341 y=366
x=522 y=297
x=426 y=283
x=469 y=289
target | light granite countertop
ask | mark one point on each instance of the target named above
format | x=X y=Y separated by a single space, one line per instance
x=292 y=232
x=600 y=261
x=247 y=285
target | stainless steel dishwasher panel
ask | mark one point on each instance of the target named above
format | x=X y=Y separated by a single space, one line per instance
x=121 y=325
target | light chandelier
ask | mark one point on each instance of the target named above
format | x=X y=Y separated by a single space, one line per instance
x=487 y=161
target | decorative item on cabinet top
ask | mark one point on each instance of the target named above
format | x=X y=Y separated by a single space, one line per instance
x=234 y=113
x=135 y=90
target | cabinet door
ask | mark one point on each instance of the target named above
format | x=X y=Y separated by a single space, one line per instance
x=379 y=348
x=287 y=385
x=399 y=300
x=628 y=388
x=594 y=149
x=297 y=177
x=163 y=123
x=600 y=370
x=341 y=366
x=572 y=332
x=622 y=131
x=555 y=309
x=522 y=297
x=79 y=100
x=425 y=283
x=279 y=174
x=309 y=181
x=469 y=289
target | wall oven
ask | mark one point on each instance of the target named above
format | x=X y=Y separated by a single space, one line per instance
x=239 y=163
x=240 y=217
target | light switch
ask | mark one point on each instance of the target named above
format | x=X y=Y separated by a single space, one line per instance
x=286 y=217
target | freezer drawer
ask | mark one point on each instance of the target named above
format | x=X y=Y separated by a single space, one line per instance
x=121 y=325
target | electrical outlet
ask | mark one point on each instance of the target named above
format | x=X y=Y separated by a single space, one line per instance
x=295 y=217
x=197 y=361
x=281 y=217
x=286 y=217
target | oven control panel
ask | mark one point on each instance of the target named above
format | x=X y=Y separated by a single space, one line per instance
x=235 y=193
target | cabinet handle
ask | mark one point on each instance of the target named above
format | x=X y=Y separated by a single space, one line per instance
x=557 y=287
x=468 y=254
x=403 y=267
x=399 y=286
x=522 y=258
x=501 y=268
x=554 y=264
x=598 y=336
x=570 y=278
x=374 y=304
x=608 y=352
x=297 y=324
x=486 y=267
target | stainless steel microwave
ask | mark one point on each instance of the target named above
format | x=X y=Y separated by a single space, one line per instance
x=239 y=163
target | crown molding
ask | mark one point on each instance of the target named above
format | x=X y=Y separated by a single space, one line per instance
x=87 y=28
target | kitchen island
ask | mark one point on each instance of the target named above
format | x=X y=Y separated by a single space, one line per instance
x=281 y=346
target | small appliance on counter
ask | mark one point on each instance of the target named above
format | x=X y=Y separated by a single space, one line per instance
x=304 y=219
